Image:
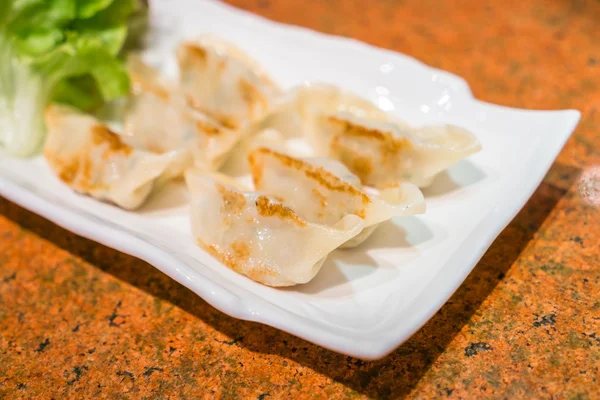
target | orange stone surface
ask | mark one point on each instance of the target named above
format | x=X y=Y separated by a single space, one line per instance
x=79 y=320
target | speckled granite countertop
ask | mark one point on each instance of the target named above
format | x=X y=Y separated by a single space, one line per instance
x=80 y=320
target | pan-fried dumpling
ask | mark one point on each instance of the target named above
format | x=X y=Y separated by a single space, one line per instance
x=332 y=121
x=383 y=153
x=92 y=160
x=224 y=83
x=323 y=191
x=260 y=237
x=158 y=120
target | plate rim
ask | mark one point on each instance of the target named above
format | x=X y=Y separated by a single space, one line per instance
x=257 y=309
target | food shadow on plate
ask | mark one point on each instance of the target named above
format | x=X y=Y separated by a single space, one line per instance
x=347 y=265
x=171 y=198
x=462 y=174
x=403 y=232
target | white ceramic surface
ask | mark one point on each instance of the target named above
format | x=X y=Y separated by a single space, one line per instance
x=366 y=301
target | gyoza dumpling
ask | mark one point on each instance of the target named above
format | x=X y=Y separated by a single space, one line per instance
x=332 y=120
x=324 y=191
x=296 y=112
x=92 y=160
x=383 y=153
x=158 y=119
x=260 y=237
x=224 y=83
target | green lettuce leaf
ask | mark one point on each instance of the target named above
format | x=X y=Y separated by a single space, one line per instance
x=80 y=90
x=89 y=8
x=58 y=50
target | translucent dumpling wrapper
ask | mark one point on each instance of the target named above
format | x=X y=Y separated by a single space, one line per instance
x=296 y=112
x=259 y=236
x=93 y=160
x=223 y=179
x=224 y=83
x=384 y=154
x=237 y=160
x=157 y=119
x=324 y=191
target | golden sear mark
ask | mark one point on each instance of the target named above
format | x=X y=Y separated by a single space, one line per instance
x=319 y=174
x=238 y=259
x=67 y=172
x=75 y=172
x=256 y=168
x=86 y=175
x=100 y=135
x=360 y=165
x=155 y=148
x=207 y=128
x=233 y=202
x=346 y=149
x=252 y=97
x=268 y=209
x=391 y=142
x=224 y=120
x=240 y=249
x=195 y=52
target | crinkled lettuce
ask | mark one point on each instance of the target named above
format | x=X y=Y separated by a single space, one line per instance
x=58 y=50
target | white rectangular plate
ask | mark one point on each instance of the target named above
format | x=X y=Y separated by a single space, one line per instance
x=367 y=301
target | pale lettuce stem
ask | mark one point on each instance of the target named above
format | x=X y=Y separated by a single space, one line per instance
x=22 y=100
